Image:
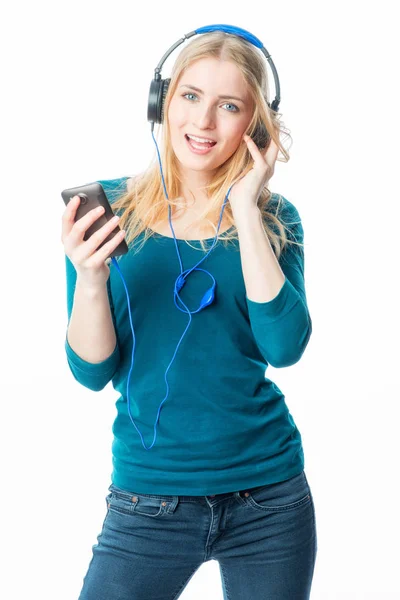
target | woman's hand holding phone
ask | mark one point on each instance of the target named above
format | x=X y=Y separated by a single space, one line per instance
x=87 y=258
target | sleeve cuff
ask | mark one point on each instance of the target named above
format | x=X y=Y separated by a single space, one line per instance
x=276 y=308
x=99 y=369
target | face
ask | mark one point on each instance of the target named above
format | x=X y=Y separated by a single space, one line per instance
x=220 y=112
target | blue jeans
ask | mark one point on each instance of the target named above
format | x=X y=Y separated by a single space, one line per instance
x=150 y=546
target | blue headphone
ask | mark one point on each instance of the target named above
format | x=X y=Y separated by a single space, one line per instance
x=159 y=87
x=155 y=113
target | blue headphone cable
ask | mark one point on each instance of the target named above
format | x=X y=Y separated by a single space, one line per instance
x=207 y=299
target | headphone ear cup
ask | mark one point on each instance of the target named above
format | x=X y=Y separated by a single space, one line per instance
x=165 y=87
x=157 y=94
x=154 y=93
x=261 y=136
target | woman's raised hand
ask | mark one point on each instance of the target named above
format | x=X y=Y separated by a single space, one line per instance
x=87 y=258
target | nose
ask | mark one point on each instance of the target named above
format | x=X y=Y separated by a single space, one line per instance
x=204 y=118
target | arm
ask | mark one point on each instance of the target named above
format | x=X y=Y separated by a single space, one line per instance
x=90 y=343
x=275 y=290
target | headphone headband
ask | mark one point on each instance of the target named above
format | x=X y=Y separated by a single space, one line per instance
x=233 y=30
x=159 y=87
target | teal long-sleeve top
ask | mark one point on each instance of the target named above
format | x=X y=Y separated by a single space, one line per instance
x=224 y=426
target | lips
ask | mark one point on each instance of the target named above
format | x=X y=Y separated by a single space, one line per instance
x=196 y=148
x=206 y=140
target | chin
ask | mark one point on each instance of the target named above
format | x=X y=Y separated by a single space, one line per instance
x=196 y=163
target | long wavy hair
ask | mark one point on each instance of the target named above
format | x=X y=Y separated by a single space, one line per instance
x=145 y=203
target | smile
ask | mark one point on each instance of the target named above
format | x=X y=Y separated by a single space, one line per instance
x=199 y=148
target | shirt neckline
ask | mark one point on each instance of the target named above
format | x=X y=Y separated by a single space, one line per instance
x=171 y=237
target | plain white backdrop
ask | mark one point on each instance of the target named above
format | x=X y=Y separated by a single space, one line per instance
x=76 y=78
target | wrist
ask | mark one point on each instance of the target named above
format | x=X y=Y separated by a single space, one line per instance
x=89 y=289
x=246 y=212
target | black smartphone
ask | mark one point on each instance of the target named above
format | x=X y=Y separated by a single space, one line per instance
x=93 y=195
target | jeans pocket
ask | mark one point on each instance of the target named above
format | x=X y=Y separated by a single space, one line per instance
x=131 y=503
x=281 y=496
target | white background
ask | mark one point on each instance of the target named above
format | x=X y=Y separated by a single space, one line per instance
x=76 y=77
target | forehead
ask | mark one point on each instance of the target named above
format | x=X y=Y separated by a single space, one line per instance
x=215 y=77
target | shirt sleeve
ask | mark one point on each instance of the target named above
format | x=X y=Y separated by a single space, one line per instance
x=282 y=327
x=94 y=376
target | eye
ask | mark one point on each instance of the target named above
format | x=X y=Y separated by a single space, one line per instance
x=188 y=94
x=226 y=103
x=234 y=106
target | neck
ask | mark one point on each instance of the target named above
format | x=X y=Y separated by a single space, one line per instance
x=192 y=187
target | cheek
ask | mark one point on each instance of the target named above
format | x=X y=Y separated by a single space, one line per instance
x=176 y=114
x=234 y=139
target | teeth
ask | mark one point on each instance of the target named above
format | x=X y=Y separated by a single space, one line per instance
x=196 y=139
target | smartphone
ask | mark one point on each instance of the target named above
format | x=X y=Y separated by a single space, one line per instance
x=93 y=195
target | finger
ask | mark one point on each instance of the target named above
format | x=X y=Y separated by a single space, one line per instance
x=80 y=226
x=271 y=153
x=89 y=247
x=103 y=253
x=68 y=218
x=254 y=151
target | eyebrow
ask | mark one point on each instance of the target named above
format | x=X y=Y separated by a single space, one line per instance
x=192 y=87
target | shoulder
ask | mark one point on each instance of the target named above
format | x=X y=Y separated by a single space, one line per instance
x=114 y=188
x=284 y=209
x=287 y=214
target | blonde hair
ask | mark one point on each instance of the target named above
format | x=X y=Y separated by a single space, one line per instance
x=145 y=203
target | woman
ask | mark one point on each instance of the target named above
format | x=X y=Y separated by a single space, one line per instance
x=225 y=480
